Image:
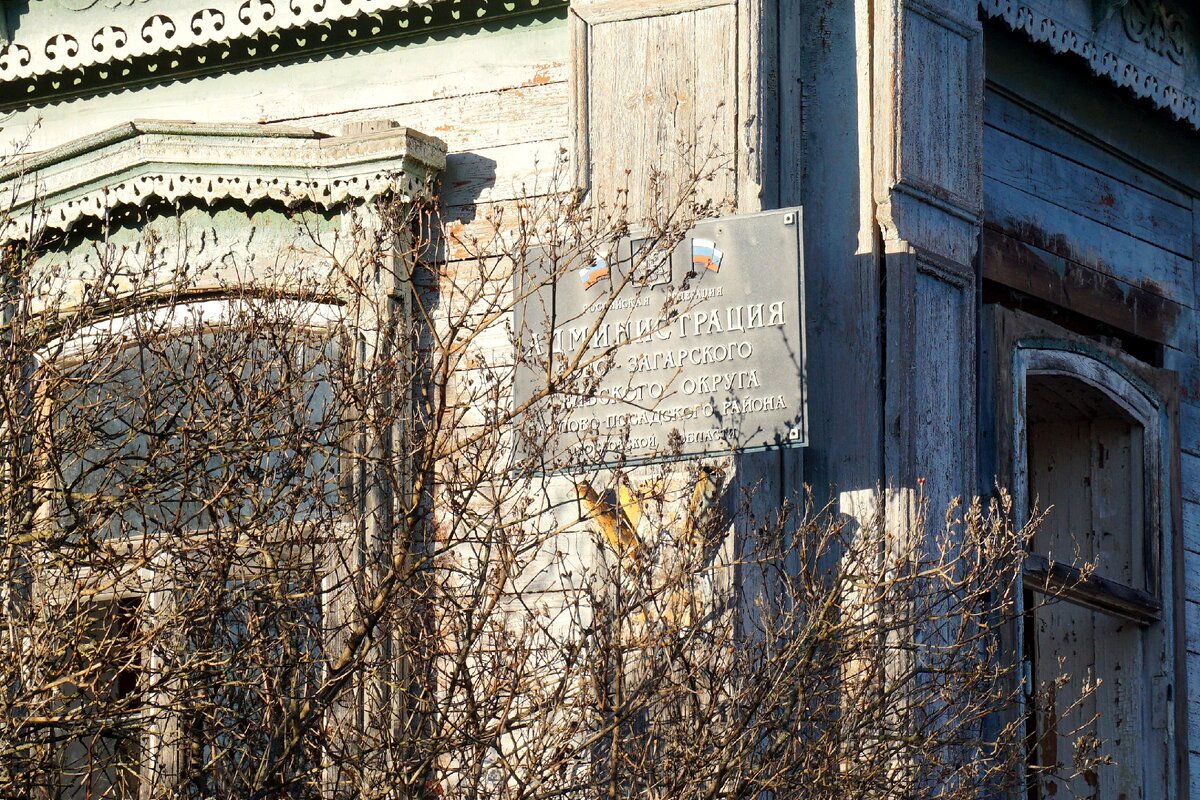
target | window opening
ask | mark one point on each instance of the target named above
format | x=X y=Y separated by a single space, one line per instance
x=194 y=461
x=1090 y=452
x=99 y=742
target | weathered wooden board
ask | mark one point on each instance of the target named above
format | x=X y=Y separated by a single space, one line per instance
x=1189 y=435
x=1189 y=466
x=823 y=168
x=1191 y=573
x=1192 y=615
x=1047 y=276
x=1030 y=218
x=941 y=362
x=507 y=172
x=935 y=117
x=596 y=11
x=1088 y=192
x=474 y=230
x=456 y=65
x=1186 y=365
x=474 y=120
x=647 y=136
x=1110 y=116
x=1041 y=129
x=792 y=100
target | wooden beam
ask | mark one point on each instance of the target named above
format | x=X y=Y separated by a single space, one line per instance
x=1047 y=276
x=1069 y=583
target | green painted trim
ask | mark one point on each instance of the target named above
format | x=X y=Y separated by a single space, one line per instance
x=130 y=164
x=132 y=130
x=410 y=26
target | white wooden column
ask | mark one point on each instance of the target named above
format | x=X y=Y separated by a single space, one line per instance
x=928 y=95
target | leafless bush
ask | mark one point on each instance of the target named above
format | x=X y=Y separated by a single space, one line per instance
x=274 y=533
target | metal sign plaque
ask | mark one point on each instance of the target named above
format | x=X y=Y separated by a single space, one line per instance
x=635 y=353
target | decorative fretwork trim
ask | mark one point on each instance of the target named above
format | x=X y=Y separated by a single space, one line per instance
x=1062 y=38
x=172 y=30
x=136 y=163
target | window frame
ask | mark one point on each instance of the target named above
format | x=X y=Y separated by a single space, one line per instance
x=145 y=584
x=1143 y=607
x=1006 y=332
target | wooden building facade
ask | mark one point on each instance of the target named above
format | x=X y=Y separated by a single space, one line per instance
x=1002 y=227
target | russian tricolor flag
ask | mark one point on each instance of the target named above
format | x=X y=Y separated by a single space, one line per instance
x=595 y=273
x=705 y=255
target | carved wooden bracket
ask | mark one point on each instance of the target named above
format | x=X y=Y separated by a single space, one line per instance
x=1152 y=24
x=114 y=31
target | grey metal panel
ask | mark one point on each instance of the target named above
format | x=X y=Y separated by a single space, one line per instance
x=686 y=359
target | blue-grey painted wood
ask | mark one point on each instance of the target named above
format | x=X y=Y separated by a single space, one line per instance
x=1089 y=192
x=792 y=98
x=1186 y=367
x=1190 y=480
x=842 y=278
x=1192 y=613
x=1111 y=191
x=1189 y=429
x=1025 y=215
x=1021 y=118
x=1110 y=117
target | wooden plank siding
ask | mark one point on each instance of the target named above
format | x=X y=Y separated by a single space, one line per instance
x=464 y=71
x=1073 y=222
x=1189 y=440
x=498 y=98
x=1028 y=268
x=1080 y=214
x=1069 y=234
x=1070 y=217
x=643 y=139
x=1191 y=592
x=496 y=94
x=1088 y=192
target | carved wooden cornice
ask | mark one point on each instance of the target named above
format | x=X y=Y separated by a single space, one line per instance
x=136 y=163
x=89 y=51
x=1147 y=46
x=60 y=35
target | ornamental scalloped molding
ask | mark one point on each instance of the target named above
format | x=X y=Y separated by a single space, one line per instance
x=83 y=5
x=1062 y=38
x=163 y=31
x=132 y=164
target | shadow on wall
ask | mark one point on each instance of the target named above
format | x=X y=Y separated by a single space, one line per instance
x=820 y=169
x=462 y=187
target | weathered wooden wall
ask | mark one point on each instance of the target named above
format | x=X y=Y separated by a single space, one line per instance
x=777 y=94
x=1091 y=205
x=927 y=96
x=825 y=156
x=874 y=117
x=496 y=93
x=786 y=111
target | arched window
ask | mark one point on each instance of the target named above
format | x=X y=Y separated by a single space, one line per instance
x=189 y=450
x=1088 y=444
x=192 y=416
x=193 y=462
